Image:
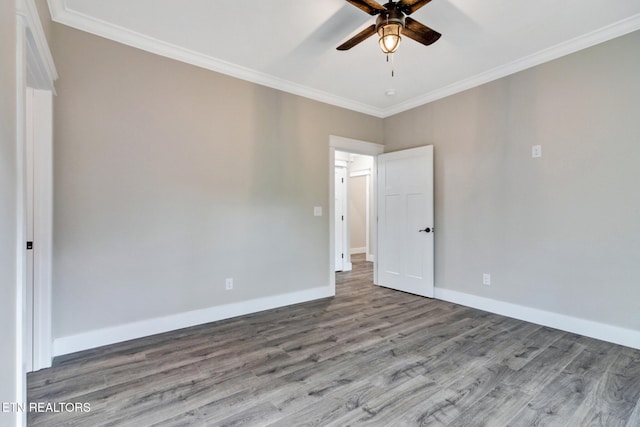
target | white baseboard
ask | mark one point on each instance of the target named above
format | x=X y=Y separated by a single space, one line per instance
x=356 y=251
x=589 y=328
x=371 y=258
x=106 y=336
x=111 y=335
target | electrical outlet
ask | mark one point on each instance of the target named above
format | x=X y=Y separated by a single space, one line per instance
x=536 y=151
x=486 y=279
x=229 y=283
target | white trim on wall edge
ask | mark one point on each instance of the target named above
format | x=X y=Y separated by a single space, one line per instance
x=355 y=146
x=589 y=328
x=62 y=14
x=144 y=328
x=601 y=35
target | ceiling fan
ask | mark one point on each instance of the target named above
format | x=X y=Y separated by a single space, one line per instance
x=392 y=22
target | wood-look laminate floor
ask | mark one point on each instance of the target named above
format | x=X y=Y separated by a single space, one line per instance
x=369 y=356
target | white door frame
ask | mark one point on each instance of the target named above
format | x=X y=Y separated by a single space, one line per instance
x=350 y=146
x=35 y=69
x=21 y=258
x=345 y=262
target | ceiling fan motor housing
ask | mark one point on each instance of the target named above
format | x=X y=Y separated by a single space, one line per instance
x=391 y=24
x=391 y=16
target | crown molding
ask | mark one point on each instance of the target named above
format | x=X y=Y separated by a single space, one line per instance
x=593 y=38
x=61 y=14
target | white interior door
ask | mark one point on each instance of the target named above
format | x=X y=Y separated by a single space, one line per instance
x=39 y=226
x=29 y=195
x=405 y=221
x=340 y=214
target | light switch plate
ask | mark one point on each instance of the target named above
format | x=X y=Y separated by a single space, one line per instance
x=317 y=211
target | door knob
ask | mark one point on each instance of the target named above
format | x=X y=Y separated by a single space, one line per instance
x=426 y=230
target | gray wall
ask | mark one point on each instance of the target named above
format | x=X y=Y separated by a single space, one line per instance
x=559 y=233
x=8 y=199
x=358 y=212
x=361 y=163
x=169 y=178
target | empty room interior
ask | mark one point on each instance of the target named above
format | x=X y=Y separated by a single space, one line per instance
x=323 y=213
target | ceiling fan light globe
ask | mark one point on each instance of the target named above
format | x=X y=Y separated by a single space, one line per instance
x=390 y=37
x=389 y=44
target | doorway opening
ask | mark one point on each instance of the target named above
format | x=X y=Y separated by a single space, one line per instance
x=353 y=208
x=352 y=228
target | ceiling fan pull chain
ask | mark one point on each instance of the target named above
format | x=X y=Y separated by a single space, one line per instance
x=392 y=66
x=392 y=63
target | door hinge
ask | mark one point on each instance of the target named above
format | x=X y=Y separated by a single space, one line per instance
x=29 y=246
x=342 y=180
x=343 y=217
x=342 y=256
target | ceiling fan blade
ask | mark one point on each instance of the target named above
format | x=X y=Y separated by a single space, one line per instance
x=358 y=38
x=410 y=6
x=419 y=32
x=371 y=7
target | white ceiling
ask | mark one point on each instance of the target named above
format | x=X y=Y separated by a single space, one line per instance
x=290 y=44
